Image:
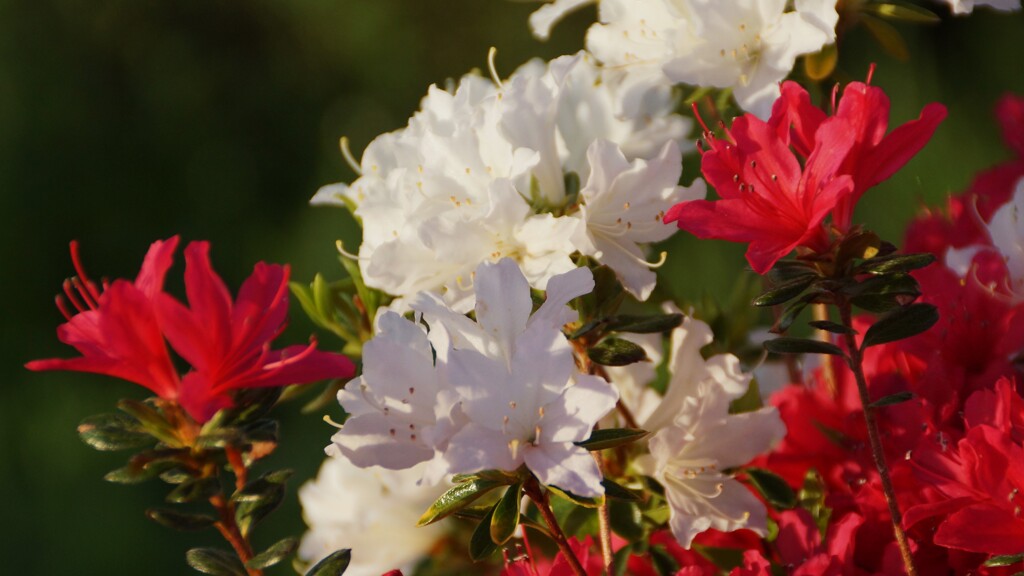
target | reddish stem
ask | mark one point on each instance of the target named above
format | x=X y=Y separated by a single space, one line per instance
x=541 y=500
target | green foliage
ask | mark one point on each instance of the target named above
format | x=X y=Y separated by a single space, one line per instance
x=616 y=352
x=464 y=493
x=505 y=517
x=901 y=323
x=214 y=562
x=774 y=489
x=897 y=398
x=259 y=498
x=274 y=554
x=333 y=565
x=180 y=520
x=788 y=345
x=113 y=432
x=605 y=438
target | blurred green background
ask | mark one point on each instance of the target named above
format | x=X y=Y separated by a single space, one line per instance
x=124 y=121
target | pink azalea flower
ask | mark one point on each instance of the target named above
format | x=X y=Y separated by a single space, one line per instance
x=120 y=332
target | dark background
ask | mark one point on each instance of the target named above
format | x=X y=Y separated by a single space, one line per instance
x=124 y=121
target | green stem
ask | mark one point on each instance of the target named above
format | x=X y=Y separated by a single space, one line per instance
x=855 y=362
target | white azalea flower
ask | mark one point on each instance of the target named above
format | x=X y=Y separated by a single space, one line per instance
x=968 y=6
x=359 y=508
x=697 y=438
x=545 y=17
x=747 y=45
x=1006 y=234
x=516 y=378
x=623 y=206
x=399 y=408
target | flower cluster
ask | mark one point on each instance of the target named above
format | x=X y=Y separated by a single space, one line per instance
x=123 y=330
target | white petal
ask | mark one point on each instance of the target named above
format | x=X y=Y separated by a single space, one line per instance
x=330 y=195
x=378 y=440
x=476 y=448
x=503 y=301
x=571 y=418
x=566 y=466
x=545 y=17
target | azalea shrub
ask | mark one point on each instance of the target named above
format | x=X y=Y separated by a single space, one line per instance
x=516 y=393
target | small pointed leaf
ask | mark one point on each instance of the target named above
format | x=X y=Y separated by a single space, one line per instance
x=887 y=36
x=214 y=562
x=801 y=346
x=832 y=327
x=506 y=515
x=1004 y=560
x=785 y=292
x=458 y=497
x=605 y=438
x=902 y=11
x=480 y=543
x=901 y=323
x=897 y=398
x=180 y=520
x=333 y=565
x=616 y=491
x=273 y=555
x=616 y=352
x=109 y=432
x=774 y=489
x=896 y=263
x=820 y=65
x=193 y=490
x=645 y=324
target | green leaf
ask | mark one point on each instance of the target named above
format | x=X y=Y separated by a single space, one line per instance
x=458 y=497
x=573 y=498
x=897 y=398
x=801 y=346
x=811 y=497
x=151 y=421
x=724 y=558
x=605 y=438
x=902 y=11
x=333 y=565
x=645 y=324
x=110 y=432
x=587 y=329
x=620 y=560
x=664 y=562
x=1004 y=560
x=180 y=520
x=214 y=562
x=259 y=498
x=606 y=297
x=480 y=544
x=626 y=520
x=219 y=438
x=505 y=517
x=901 y=323
x=615 y=491
x=774 y=489
x=616 y=352
x=273 y=555
x=785 y=292
x=895 y=263
x=194 y=489
x=832 y=327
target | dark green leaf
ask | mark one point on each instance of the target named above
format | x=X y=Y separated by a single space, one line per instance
x=578 y=500
x=616 y=491
x=625 y=520
x=194 y=489
x=901 y=323
x=605 y=438
x=110 y=432
x=883 y=293
x=140 y=469
x=616 y=352
x=774 y=489
x=785 y=292
x=180 y=520
x=620 y=560
x=587 y=329
x=895 y=263
x=251 y=404
x=505 y=517
x=645 y=324
x=214 y=562
x=480 y=544
x=220 y=437
x=1004 y=560
x=801 y=346
x=606 y=297
x=333 y=565
x=259 y=498
x=664 y=562
x=902 y=11
x=151 y=421
x=821 y=64
x=811 y=497
x=273 y=555
x=580 y=521
x=832 y=435
x=724 y=558
x=832 y=327
x=458 y=497
x=897 y=398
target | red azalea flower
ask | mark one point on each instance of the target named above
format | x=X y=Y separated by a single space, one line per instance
x=121 y=332
x=116 y=330
x=877 y=156
x=767 y=198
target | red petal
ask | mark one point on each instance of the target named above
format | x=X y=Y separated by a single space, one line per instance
x=983 y=528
